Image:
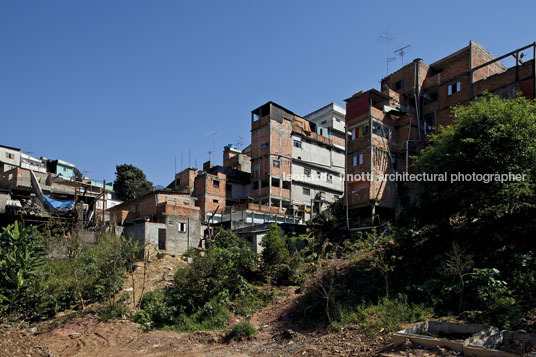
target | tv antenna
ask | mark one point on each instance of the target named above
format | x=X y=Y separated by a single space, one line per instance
x=401 y=52
x=239 y=142
x=387 y=59
x=213 y=134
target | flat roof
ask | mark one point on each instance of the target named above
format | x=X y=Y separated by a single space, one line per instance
x=9 y=147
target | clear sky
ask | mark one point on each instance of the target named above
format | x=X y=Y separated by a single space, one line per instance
x=100 y=83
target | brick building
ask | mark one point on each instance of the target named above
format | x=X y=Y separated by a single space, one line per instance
x=295 y=163
x=167 y=219
x=387 y=127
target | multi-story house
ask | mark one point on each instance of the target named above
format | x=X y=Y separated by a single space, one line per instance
x=296 y=164
x=386 y=128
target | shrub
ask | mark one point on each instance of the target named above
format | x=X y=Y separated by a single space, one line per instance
x=388 y=314
x=275 y=247
x=204 y=293
x=21 y=257
x=241 y=331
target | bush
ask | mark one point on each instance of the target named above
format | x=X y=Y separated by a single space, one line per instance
x=241 y=331
x=280 y=265
x=32 y=288
x=388 y=314
x=204 y=293
x=22 y=255
x=491 y=295
x=275 y=247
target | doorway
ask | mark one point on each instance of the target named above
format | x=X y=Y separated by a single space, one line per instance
x=162 y=239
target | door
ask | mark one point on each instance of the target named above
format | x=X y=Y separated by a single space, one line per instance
x=162 y=238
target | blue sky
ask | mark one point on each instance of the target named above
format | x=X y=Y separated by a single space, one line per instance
x=100 y=83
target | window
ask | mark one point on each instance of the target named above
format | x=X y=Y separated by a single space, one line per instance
x=354 y=160
x=297 y=144
x=306 y=171
x=330 y=177
x=306 y=191
x=360 y=159
x=215 y=183
x=264 y=146
x=454 y=88
x=381 y=130
x=182 y=227
x=323 y=122
x=277 y=164
x=10 y=155
x=360 y=131
x=398 y=85
x=215 y=201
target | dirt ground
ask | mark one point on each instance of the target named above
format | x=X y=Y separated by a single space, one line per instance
x=278 y=334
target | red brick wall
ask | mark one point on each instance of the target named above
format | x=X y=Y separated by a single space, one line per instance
x=207 y=194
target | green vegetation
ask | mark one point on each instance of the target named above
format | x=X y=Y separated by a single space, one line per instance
x=387 y=315
x=205 y=293
x=241 y=331
x=33 y=287
x=464 y=247
x=281 y=260
x=130 y=182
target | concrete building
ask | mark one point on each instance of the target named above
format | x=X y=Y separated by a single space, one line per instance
x=32 y=163
x=9 y=158
x=388 y=127
x=166 y=219
x=61 y=168
x=296 y=163
x=236 y=159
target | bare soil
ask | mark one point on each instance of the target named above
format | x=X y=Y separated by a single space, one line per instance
x=77 y=334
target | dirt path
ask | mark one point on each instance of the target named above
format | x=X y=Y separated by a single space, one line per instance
x=278 y=333
x=88 y=336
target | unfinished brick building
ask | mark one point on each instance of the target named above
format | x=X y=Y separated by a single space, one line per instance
x=295 y=163
x=388 y=127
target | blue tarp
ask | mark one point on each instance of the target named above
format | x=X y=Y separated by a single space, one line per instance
x=54 y=203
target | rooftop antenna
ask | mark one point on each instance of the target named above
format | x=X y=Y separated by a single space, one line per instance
x=213 y=134
x=182 y=162
x=388 y=59
x=401 y=52
x=209 y=153
x=239 y=142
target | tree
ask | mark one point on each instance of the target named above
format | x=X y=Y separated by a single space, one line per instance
x=489 y=136
x=275 y=247
x=380 y=252
x=130 y=182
